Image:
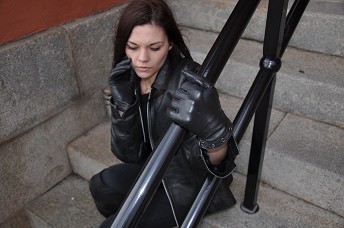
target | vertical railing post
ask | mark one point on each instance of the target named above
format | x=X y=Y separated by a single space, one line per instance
x=270 y=63
x=273 y=51
x=259 y=136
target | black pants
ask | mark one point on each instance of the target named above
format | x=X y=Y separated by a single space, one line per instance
x=110 y=187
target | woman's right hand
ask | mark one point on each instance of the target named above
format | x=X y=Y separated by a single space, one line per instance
x=122 y=85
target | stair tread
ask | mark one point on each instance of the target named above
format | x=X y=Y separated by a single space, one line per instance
x=317 y=75
x=321 y=22
x=69 y=204
x=91 y=153
x=304 y=158
x=319 y=67
x=276 y=209
x=310 y=141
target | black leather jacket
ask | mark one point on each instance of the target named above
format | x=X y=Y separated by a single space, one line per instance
x=184 y=177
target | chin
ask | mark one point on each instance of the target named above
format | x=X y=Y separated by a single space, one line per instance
x=144 y=75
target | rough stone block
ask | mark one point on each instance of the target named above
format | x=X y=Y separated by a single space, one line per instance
x=34 y=162
x=92 y=43
x=20 y=219
x=36 y=82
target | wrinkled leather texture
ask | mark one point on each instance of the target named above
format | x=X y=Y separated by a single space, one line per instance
x=122 y=85
x=184 y=177
x=196 y=106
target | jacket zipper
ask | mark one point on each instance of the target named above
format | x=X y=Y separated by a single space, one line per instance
x=150 y=140
x=171 y=204
x=141 y=118
x=148 y=121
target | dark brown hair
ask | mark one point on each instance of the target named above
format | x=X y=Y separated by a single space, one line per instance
x=157 y=12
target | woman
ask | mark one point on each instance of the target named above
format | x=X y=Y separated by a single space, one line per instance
x=153 y=84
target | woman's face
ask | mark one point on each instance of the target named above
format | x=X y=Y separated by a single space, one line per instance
x=147 y=46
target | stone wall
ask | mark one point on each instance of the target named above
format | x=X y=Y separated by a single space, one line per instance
x=50 y=93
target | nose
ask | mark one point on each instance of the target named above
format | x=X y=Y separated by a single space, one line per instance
x=143 y=55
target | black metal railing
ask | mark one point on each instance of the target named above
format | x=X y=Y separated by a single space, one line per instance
x=258 y=102
x=278 y=33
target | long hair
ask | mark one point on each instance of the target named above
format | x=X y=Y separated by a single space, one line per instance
x=156 y=12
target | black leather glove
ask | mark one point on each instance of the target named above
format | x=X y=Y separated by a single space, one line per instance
x=122 y=85
x=196 y=106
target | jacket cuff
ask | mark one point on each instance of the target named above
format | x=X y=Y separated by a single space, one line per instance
x=218 y=142
x=227 y=166
x=116 y=112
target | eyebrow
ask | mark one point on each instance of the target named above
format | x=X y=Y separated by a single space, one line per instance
x=159 y=42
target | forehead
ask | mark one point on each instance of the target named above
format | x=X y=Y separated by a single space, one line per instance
x=147 y=34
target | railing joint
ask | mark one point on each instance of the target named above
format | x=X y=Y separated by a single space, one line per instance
x=271 y=64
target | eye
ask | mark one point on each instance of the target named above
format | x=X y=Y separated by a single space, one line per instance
x=133 y=48
x=155 y=48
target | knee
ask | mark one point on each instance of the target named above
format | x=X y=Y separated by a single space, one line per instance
x=95 y=185
x=106 y=200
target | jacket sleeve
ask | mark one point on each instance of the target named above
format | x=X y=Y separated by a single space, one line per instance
x=199 y=159
x=197 y=155
x=126 y=134
x=227 y=166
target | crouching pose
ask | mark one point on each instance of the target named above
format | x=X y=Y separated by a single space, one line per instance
x=153 y=84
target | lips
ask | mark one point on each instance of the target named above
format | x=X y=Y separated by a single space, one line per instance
x=143 y=69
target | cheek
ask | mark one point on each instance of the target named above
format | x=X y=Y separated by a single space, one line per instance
x=162 y=57
x=128 y=54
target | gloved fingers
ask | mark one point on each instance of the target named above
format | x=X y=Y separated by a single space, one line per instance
x=190 y=89
x=196 y=79
x=124 y=61
x=181 y=93
x=181 y=104
x=180 y=108
x=179 y=117
x=174 y=109
x=132 y=76
x=120 y=69
x=175 y=104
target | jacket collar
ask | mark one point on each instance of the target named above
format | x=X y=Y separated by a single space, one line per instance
x=162 y=78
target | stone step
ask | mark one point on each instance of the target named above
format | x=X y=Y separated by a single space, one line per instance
x=276 y=209
x=69 y=205
x=303 y=157
x=308 y=83
x=320 y=29
x=91 y=153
